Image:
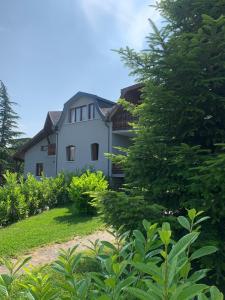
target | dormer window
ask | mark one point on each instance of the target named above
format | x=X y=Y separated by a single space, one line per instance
x=81 y=113
x=91 y=111
x=72 y=115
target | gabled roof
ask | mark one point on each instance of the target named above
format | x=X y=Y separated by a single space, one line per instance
x=54 y=116
x=50 y=121
x=103 y=105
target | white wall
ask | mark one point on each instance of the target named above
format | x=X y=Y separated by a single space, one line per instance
x=82 y=135
x=35 y=155
x=121 y=141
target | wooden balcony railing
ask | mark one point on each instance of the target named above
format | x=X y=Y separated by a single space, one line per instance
x=121 y=120
x=117 y=169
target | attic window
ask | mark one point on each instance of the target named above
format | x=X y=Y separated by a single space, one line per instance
x=81 y=113
x=91 y=111
x=72 y=115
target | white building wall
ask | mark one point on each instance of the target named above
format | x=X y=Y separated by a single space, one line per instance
x=121 y=141
x=34 y=155
x=82 y=135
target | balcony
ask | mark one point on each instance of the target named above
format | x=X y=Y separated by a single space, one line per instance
x=121 y=120
x=117 y=171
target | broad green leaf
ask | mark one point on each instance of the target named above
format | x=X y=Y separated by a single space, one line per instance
x=111 y=282
x=166 y=226
x=206 y=250
x=109 y=245
x=202 y=297
x=201 y=220
x=184 y=222
x=140 y=294
x=198 y=275
x=139 y=236
x=148 y=268
x=165 y=236
x=215 y=293
x=189 y=292
x=182 y=245
x=154 y=288
x=192 y=213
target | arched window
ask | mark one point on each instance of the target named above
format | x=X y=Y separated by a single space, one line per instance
x=70 y=153
x=94 y=151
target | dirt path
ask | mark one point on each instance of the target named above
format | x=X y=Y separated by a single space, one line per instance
x=49 y=253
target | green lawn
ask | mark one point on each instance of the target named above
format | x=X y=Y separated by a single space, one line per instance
x=55 y=225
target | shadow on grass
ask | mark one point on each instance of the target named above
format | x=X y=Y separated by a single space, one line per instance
x=72 y=218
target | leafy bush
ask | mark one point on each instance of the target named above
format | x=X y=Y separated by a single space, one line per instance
x=21 y=197
x=31 y=189
x=137 y=266
x=12 y=200
x=80 y=187
x=122 y=209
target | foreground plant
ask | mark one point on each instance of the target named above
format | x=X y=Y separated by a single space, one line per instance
x=146 y=266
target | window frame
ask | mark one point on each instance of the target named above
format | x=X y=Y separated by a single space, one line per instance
x=81 y=113
x=52 y=149
x=72 y=117
x=94 y=151
x=91 y=116
x=69 y=154
x=39 y=169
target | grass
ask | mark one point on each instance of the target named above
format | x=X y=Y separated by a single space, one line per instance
x=55 y=225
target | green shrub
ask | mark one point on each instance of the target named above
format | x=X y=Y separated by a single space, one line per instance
x=52 y=189
x=21 y=197
x=149 y=266
x=79 y=190
x=31 y=189
x=12 y=199
x=120 y=209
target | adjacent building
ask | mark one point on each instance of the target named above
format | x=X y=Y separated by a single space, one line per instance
x=79 y=136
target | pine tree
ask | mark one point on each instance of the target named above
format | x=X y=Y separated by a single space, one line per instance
x=182 y=118
x=8 y=127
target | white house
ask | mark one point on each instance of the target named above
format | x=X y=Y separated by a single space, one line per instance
x=79 y=136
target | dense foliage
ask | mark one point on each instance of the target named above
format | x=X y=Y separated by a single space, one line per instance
x=124 y=209
x=147 y=267
x=80 y=187
x=23 y=197
x=177 y=158
x=20 y=198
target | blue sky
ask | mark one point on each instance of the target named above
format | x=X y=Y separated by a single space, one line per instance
x=51 y=49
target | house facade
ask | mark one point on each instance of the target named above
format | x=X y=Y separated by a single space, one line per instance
x=79 y=136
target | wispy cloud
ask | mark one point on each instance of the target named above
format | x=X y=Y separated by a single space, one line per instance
x=129 y=18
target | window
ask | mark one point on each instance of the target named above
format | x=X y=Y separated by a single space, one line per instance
x=91 y=111
x=70 y=153
x=39 y=169
x=51 y=149
x=72 y=115
x=81 y=113
x=94 y=151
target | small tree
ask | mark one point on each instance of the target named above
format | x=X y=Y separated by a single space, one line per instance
x=8 y=128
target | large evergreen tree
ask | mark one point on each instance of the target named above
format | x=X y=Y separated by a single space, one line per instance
x=182 y=118
x=8 y=128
